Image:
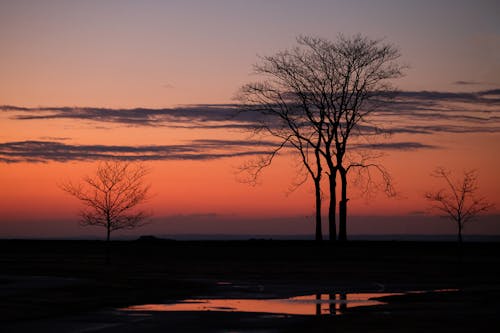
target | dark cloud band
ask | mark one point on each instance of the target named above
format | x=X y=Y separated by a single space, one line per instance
x=197 y=150
x=45 y=151
x=479 y=107
x=415 y=113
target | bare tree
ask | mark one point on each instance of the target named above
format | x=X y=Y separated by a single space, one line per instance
x=458 y=201
x=358 y=82
x=319 y=93
x=111 y=196
x=286 y=118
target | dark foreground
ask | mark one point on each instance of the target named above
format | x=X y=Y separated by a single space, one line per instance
x=66 y=286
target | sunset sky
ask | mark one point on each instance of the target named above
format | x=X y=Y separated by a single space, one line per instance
x=155 y=80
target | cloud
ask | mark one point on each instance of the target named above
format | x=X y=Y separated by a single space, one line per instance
x=54 y=138
x=214 y=143
x=191 y=115
x=45 y=151
x=424 y=96
x=443 y=128
x=415 y=104
x=196 y=150
x=396 y=146
x=406 y=100
x=418 y=213
x=168 y=86
x=137 y=116
x=427 y=112
x=411 y=112
x=490 y=92
x=440 y=101
x=468 y=83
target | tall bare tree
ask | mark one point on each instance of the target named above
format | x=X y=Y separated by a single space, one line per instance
x=458 y=201
x=358 y=81
x=112 y=195
x=286 y=118
x=325 y=90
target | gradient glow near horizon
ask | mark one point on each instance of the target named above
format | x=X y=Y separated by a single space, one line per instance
x=59 y=57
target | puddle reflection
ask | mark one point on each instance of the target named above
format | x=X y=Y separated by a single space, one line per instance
x=316 y=304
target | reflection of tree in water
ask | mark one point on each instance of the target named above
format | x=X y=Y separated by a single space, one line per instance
x=337 y=304
x=318 y=305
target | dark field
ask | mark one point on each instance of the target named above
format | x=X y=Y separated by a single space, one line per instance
x=47 y=284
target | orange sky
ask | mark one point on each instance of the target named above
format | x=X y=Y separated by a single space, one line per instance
x=208 y=195
x=185 y=55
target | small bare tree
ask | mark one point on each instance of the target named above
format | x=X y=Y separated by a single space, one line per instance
x=111 y=196
x=458 y=202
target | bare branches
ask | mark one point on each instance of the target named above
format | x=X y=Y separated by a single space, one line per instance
x=372 y=177
x=291 y=97
x=254 y=168
x=315 y=97
x=111 y=195
x=458 y=200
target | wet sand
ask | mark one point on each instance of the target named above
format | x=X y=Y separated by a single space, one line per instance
x=66 y=286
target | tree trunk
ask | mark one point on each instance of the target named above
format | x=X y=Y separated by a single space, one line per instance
x=317 y=190
x=343 y=206
x=460 y=234
x=108 y=237
x=460 y=251
x=331 y=307
x=318 y=304
x=343 y=305
x=332 y=223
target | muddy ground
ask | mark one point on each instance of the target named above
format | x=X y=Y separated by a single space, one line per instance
x=67 y=286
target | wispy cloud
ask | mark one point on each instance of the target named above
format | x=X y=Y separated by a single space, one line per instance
x=196 y=115
x=396 y=146
x=414 y=113
x=468 y=83
x=427 y=112
x=196 y=150
x=45 y=151
x=54 y=138
x=478 y=107
x=168 y=85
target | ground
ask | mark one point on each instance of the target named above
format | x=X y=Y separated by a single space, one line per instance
x=67 y=286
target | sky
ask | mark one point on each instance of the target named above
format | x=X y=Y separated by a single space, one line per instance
x=82 y=80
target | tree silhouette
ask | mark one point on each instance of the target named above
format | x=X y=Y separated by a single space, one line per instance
x=357 y=83
x=111 y=196
x=318 y=94
x=287 y=122
x=288 y=116
x=458 y=201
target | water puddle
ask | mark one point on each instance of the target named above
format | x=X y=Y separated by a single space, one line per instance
x=316 y=304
